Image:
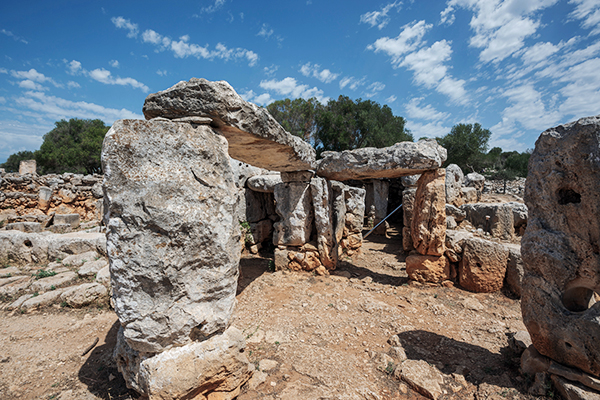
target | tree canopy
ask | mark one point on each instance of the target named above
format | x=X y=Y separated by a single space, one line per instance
x=467 y=146
x=341 y=124
x=72 y=146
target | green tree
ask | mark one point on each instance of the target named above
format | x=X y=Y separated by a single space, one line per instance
x=518 y=163
x=467 y=145
x=13 y=161
x=72 y=146
x=344 y=124
x=297 y=116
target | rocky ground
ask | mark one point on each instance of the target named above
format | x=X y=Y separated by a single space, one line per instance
x=351 y=335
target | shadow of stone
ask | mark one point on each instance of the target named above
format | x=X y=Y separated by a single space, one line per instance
x=449 y=355
x=100 y=373
x=361 y=272
x=252 y=268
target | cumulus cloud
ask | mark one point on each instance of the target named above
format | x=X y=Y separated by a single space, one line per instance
x=32 y=79
x=126 y=24
x=429 y=129
x=380 y=18
x=415 y=110
x=325 y=75
x=102 y=75
x=31 y=85
x=589 y=12
x=182 y=48
x=290 y=87
x=408 y=40
x=212 y=8
x=56 y=108
x=73 y=85
x=500 y=26
x=114 y=63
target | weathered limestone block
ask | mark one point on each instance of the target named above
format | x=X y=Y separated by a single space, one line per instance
x=297 y=176
x=408 y=205
x=470 y=195
x=254 y=136
x=71 y=219
x=483 y=265
x=433 y=269
x=264 y=183
x=354 y=219
x=173 y=238
x=514 y=269
x=293 y=205
x=321 y=199
x=84 y=294
x=215 y=367
x=25 y=226
x=495 y=218
x=381 y=189
x=428 y=226
x=44 y=197
x=254 y=206
x=476 y=181
x=560 y=247
x=454 y=184
x=27 y=167
x=339 y=209
x=404 y=158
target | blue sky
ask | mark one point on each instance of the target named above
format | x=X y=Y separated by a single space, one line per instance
x=517 y=67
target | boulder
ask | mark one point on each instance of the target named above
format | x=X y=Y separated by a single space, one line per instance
x=422 y=377
x=483 y=265
x=264 y=183
x=495 y=218
x=470 y=195
x=476 y=181
x=293 y=205
x=560 y=248
x=27 y=167
x=173 y=239
x=455 y=212
x=215 y=368
x=432 y=269
x=401 y=159
x=428 y=226
x=77 y=260
x=30 y=227
x=48 y=283
x=254 y=136
x=454 y=184
x=84 y=294
x=71 y=219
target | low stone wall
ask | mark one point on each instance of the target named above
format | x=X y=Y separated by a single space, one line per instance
x=32 y=194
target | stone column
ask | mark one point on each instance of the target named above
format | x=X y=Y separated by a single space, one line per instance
x=381 y=190
x=173 y=243
x=428 y=227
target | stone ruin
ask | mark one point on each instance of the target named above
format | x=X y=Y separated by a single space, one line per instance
x=561 y=254
x=173 y=237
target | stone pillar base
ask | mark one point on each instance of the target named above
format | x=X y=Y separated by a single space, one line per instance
x=304 y=258
x=212 y=369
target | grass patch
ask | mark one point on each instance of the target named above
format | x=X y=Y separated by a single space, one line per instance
x=42 y=273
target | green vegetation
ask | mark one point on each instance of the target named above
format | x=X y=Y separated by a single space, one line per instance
x=42 y=273
x=72 y=146
x=342 y=124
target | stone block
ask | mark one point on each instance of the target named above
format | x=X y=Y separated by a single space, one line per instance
x=84 y=294
x=27 y=167
x=428 y=225
x=293 y=205
x=454 y=184
x=71 y=219
x=263 y=183
x=483 y=265
x=432 y=269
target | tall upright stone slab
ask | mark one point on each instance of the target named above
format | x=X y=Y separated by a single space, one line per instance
x=321 y=193
x=172 y=236
x=561 y=246
x=294 y=207
x=254 y=136
x=428 y=225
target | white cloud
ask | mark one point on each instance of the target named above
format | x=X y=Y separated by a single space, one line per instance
x=31 y=85
x=161 y=72
x=429 y=130
x=589 y=12
x=247 y=95
x=211 y=9
x=2 y=100
x=391 y=99
x=415 y=110
x=374 y=88
x=263 y=99
x=73 y=85
x=408 y=40
x=182 y=48
x=12 y=35
x=3 y=71
x=104 y=76
x=380 y=18
x=582 y=90
x=114 y=63
x=123 y=23
x=56 y=108
x=265 y=31
x=539 y=53
x=325 y=75
x=352 y=82
x=500 y=26
x=270 y=71
x=32 y=75
x=290 y=87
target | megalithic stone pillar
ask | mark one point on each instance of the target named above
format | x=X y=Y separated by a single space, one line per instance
x=428 y=225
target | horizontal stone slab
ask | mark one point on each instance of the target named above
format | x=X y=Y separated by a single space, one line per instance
x=401 y=159
x=254 y=136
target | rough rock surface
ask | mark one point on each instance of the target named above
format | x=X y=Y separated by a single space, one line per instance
x=560 y=247
x=293 y=205
x=215 y=368
x=404 y=158
x=428 y=226
x=251 y=131
x=173 y=240
x=263 y=183
x=433 y=269
x=495 y=218
x=454 y=184
x=321 y=193
x=483 y=265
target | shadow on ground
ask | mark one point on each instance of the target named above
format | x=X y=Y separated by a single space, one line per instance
x=100 y=373
x=479 y=365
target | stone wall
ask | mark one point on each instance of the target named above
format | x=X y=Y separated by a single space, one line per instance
x=32 y=194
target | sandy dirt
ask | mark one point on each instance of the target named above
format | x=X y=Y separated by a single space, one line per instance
x=310 y=337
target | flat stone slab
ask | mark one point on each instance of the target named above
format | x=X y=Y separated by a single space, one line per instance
x=401 y=159
x=56 y=280
x=254 y=136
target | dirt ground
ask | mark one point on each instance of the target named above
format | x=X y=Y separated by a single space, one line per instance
x=310 y=337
